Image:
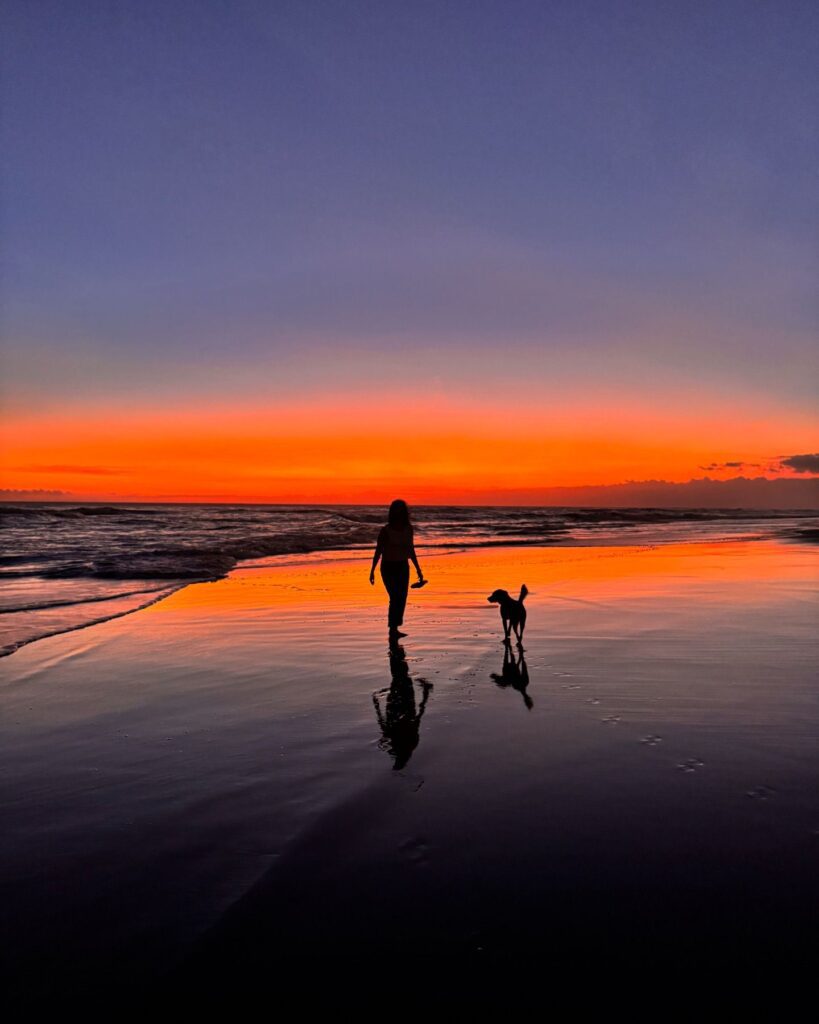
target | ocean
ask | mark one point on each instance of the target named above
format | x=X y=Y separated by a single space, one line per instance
x=66 y=566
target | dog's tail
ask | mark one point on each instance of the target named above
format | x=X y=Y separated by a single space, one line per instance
x=524 y=590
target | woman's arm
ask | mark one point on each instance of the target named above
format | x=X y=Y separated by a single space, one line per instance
x=379 y=545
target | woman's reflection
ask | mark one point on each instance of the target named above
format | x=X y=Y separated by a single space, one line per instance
x=401 y=720
x=515 y=674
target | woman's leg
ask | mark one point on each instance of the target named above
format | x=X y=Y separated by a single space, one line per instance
x=396 y=581
x=401 y=591
x=389 y=585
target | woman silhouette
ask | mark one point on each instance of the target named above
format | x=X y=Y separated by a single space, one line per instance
x=396 y=548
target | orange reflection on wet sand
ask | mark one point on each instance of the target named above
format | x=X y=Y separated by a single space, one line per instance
x=749 y=568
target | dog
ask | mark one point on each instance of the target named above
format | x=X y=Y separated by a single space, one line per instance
x=512 y=612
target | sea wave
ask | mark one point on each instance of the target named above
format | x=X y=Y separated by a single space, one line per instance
x=57 y=512
x=11 y=608
x=28 y=626
x=77 y=557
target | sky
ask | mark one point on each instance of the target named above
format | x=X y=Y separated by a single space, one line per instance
x=338 y=251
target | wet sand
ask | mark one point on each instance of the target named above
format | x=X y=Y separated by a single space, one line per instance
x=243 y=786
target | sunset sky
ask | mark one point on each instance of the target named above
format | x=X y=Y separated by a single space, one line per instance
x=333 y=251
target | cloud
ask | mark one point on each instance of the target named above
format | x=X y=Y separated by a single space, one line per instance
x=719 y=466
x=802 y=463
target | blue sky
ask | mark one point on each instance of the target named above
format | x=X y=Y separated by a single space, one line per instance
x=253 y=198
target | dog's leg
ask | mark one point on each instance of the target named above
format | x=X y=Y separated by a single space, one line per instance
x=507 y=626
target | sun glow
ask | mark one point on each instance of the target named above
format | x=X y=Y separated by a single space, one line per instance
x=330 y=448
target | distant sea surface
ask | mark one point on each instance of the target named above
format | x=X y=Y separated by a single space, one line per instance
x=65 y=566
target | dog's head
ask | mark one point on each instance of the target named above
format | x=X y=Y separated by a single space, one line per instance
x=497 y=596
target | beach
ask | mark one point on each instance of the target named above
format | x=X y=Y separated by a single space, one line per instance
x=245 y=778
x=297 y=295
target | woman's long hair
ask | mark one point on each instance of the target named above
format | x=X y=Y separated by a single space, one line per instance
x=399 y=516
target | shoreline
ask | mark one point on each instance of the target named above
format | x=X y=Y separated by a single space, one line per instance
x=30 y=615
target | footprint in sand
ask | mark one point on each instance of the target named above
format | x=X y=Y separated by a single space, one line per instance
x=691 y=764
x=611 y=720
x=760 y=793
x=415 y=849
x=651 y=740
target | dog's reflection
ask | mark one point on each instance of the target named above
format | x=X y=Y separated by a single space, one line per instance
x=400 y=720
x=514 y=674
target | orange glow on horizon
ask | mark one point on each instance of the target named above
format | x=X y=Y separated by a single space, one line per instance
x=359 y=448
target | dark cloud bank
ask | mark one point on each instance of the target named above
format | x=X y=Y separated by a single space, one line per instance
x=803 y=463
x=741 y=492
x=808 y=463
